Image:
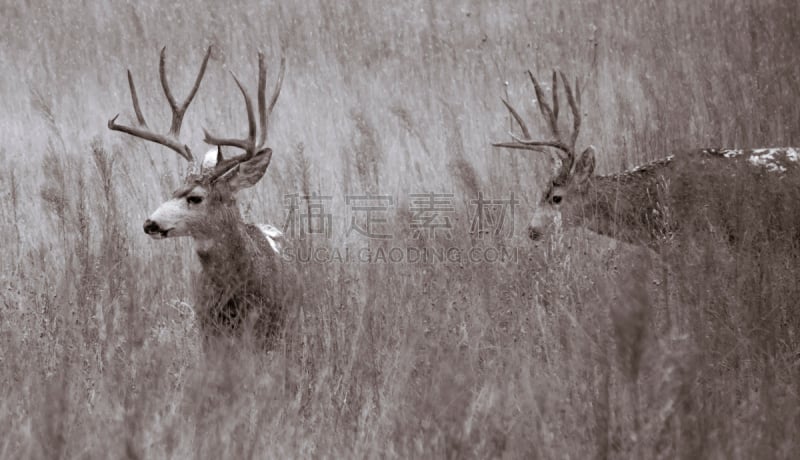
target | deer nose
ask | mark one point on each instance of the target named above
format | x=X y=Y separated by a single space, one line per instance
x=151 y=227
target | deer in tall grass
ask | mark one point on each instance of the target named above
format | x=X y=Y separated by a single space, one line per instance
x=241 y=287
x=652 y=201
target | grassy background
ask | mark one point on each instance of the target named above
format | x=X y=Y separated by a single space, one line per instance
x=568 y=351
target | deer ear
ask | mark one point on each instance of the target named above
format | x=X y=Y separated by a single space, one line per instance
x=584 y=167
x=247 y=174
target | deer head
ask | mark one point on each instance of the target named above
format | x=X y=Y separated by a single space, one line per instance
x=574 y=172
x=205 y=203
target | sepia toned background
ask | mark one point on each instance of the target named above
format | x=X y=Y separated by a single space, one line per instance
x=553 y=355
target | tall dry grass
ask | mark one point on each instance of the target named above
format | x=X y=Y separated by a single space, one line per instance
x=567 y=350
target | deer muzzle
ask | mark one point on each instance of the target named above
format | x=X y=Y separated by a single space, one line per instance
x=544 y=218
x=154 y=230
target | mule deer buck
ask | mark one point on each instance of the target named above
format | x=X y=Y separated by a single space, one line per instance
x=240 y=288
x=646 y=203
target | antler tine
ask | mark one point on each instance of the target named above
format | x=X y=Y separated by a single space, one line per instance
x=520 y=143
x=517 y=145
x=162 y=75
x=565 y=148
x=179 y=148
x=250 y=142
x=555 y=98
x=275 y=93
x=264 y=110
x=179 y=110
x=518 y=119
x=528 y=144
x=574 y=106
x=262 y=99
x=549 y=113
x=544 y=108
x=247 y=144
x=142 y=131
x=135 y=101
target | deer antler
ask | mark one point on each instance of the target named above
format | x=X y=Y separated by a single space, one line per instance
x=565 y=147
x=248 y=144
x=170 y=140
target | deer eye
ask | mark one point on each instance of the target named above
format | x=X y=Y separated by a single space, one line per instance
x=556 y=199
x=194 y=199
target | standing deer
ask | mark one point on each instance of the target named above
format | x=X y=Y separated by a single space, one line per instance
x=646 y=203
x=240 y=288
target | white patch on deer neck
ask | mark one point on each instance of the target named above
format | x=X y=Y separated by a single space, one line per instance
x=204 y=244
x=273 y=236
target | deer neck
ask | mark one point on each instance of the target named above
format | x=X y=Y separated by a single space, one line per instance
x=224 y=241
x=204 y=246
x=224 y=261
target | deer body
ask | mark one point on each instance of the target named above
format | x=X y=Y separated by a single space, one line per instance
x=240 y=293
x=242 y=288
x=649 y=202
x=645 y=204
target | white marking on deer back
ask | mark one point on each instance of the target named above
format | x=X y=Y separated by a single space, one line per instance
x=767 y=158
x=773 y=159
x=273 y=236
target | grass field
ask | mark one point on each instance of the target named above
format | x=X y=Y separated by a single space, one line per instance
x=559 y=351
